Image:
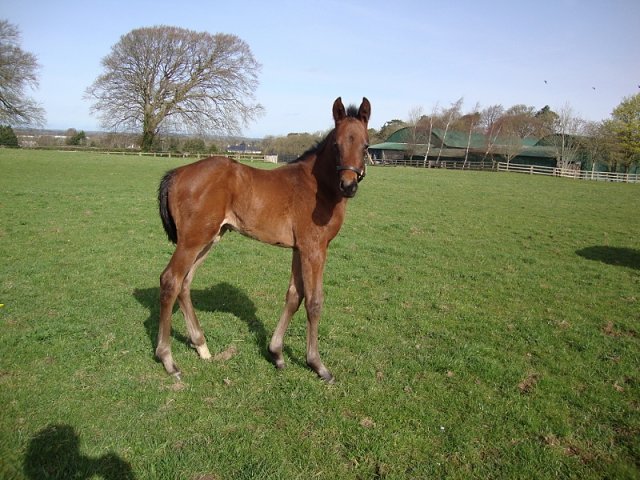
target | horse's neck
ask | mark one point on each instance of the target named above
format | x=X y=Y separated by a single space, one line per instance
x=323 y=168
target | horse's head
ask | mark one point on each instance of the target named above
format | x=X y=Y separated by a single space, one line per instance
x=351 y=143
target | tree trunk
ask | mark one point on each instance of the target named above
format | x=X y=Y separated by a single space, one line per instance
x=147 y=141
x=444 y=138
x=148 y=134
x=466 y=154
x=426 y=154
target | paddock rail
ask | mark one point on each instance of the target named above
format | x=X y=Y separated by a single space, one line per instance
x=569 y=173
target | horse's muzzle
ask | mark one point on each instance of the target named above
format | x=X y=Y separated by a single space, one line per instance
x=348 y=189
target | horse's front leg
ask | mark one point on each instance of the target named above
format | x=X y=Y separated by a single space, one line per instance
x=312 y=271
x=293 y=301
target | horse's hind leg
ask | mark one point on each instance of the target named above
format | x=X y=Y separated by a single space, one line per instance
x=171 y=284
x=196 y=335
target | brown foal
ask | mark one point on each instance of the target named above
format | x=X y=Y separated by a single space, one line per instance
x=300 y=205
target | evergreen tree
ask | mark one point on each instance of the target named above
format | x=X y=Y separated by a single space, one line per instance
x=8 y=137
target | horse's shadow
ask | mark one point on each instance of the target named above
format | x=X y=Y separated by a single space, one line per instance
x=222 y=297
x=54 y=453
x=618 y=256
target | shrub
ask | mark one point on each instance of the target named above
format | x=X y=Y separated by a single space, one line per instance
x=8 y=137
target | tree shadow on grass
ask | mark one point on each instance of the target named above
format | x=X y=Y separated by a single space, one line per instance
x=618 y=256
x=54 y=453
x=219 y=298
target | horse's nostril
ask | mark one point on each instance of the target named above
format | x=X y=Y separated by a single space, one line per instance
x=348 y=189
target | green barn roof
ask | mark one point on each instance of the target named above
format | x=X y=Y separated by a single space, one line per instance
x=455 y=142
x=452 y=139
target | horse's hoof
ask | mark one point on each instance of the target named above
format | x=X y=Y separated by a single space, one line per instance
x=330 y=381
x=327 y=377
x=277 y=360
x=279 y=363
x=203 y=352
x=170 y=367
x=177 y=375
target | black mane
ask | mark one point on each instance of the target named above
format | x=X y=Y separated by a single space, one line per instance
x=352 y=111
x=315 y=149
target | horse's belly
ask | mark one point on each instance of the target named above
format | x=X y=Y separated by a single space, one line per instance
x=264 y=230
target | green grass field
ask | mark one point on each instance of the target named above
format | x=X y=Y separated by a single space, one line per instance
x=479 y=325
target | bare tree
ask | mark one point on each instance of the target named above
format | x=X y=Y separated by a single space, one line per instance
x=489 y=122
x=512 y=144
x=489 y=116
x=18 y=71
x=415 y=114
x=449 y=115
x=430 y=121
x=522 y=121
x=176 y=79
x=469 y=122
x=516 y=125
x=595 y=143
x=567 y=141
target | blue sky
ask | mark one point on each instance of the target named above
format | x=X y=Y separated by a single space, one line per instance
x=401 y=55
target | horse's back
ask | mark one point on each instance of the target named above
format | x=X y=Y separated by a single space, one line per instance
x=219 y=169
x=204 y=171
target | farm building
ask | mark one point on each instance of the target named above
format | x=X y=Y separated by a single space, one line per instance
x=243 y=148
x=408 y=145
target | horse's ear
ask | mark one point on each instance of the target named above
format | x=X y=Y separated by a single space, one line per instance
x=364 y=113
x=339 y=112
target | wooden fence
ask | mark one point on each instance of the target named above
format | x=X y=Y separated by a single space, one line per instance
x=448 y=164
x=481 y=165
x=236 y=156
x=569 y=173
x=136 y=153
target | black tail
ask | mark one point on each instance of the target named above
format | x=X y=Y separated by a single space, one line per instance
x=163 y=200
